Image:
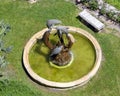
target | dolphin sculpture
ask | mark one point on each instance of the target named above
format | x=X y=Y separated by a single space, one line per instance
x=50 y=23
x=56 y=50
x=62 y=29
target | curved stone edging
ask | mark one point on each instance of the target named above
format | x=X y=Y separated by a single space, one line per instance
x=83 y=80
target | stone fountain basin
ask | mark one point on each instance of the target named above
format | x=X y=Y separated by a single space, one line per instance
x=62 y=85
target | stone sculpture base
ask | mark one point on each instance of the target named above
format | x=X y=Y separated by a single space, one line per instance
x=61 y=59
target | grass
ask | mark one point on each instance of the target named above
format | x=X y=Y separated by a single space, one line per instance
x=27 y=19
x=84 y=59
x=115 y=3
x=10 y=87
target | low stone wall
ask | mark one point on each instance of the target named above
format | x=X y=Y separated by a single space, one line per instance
x=59 y=85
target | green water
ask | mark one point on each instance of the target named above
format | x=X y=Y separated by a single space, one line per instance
x=84 y=58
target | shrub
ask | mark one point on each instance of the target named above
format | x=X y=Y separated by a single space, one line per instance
x=93 y=4
x=118 y=18
x=110 y=15
x=102 y=11
x=84 y=1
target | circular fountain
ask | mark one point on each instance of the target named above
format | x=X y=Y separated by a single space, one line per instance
x=64 y=69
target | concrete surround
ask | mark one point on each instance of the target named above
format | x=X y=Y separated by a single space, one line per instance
x=83 y=80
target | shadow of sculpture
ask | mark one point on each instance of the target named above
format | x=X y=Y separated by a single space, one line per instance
x=38 y=49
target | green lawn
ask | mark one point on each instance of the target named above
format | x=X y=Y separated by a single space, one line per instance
x=115 y=3
x=25 y=20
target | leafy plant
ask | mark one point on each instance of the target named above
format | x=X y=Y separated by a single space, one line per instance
x=110 y=15
x=93 y=4
x=102 y=11
x=5 y=28
x=118 y=18
x=84 y=1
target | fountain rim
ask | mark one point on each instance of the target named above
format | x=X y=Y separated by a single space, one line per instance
x=65 y=85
